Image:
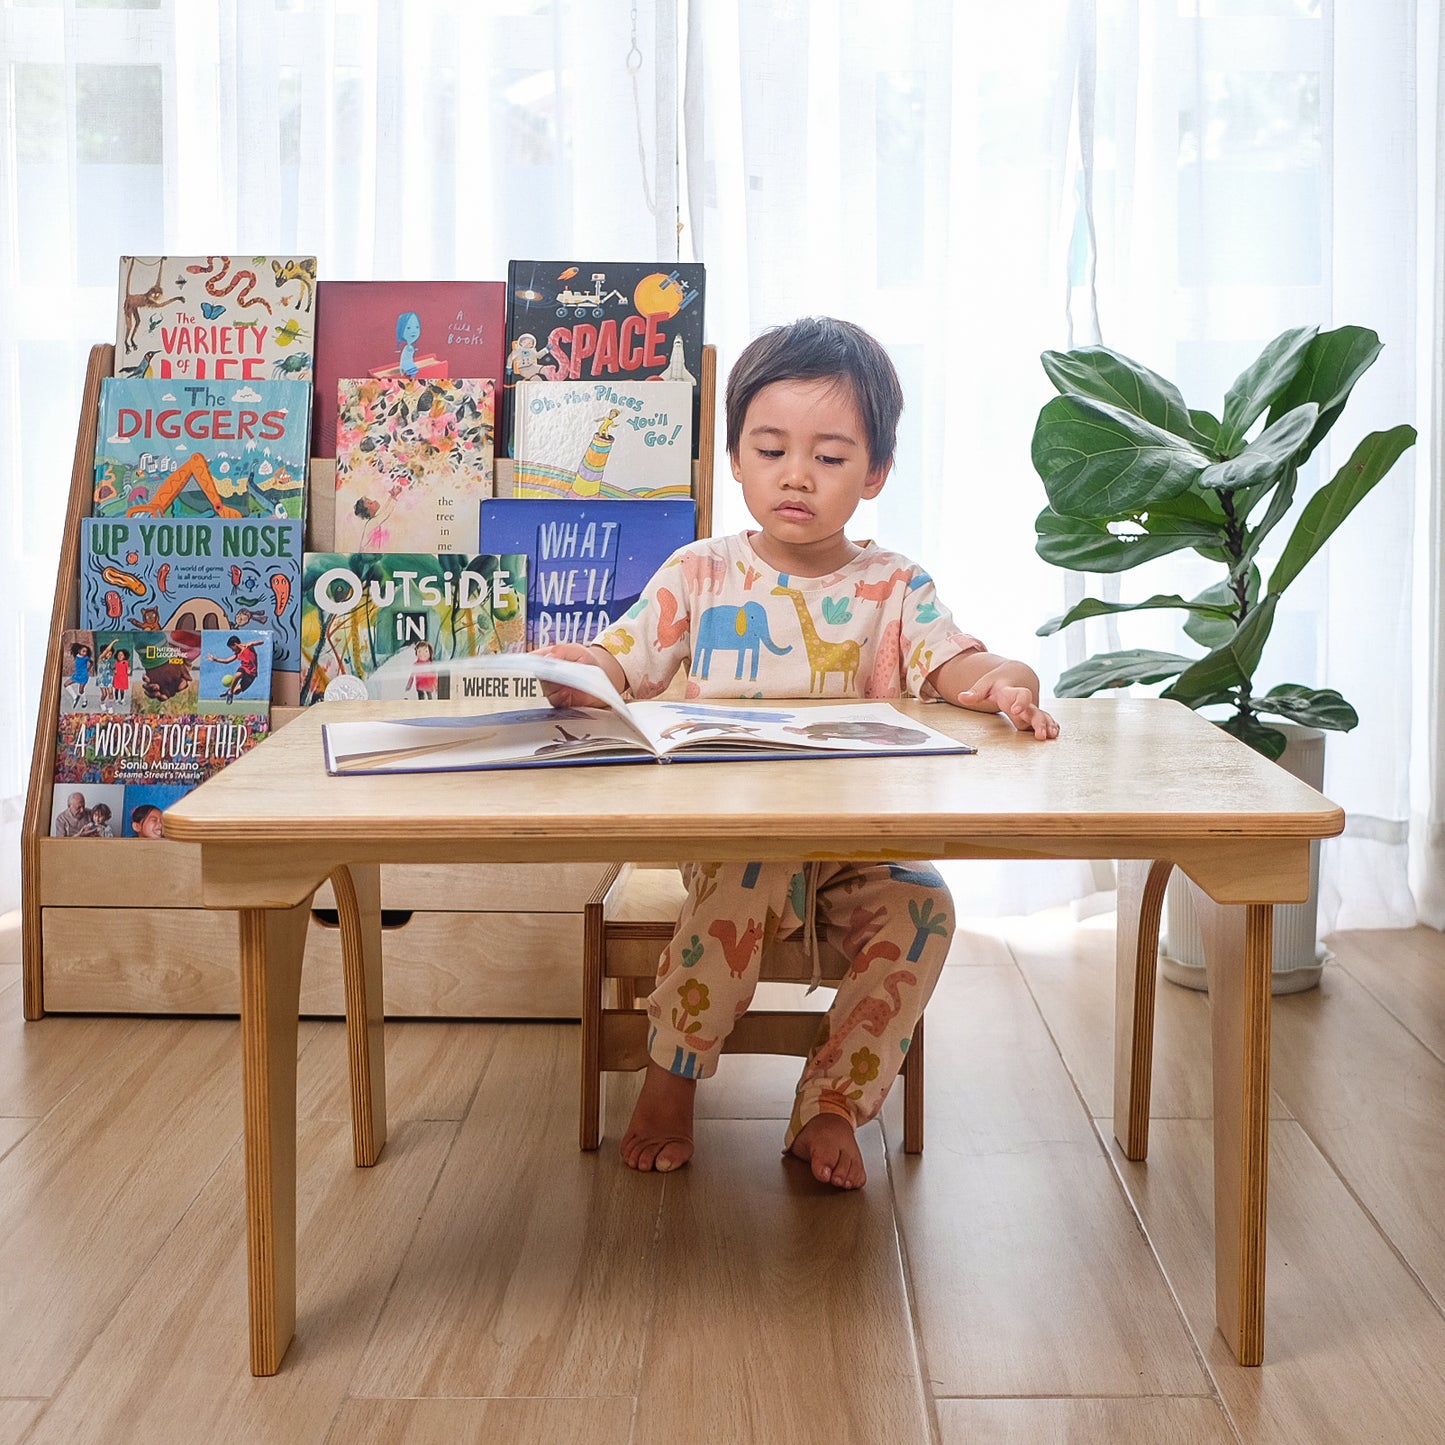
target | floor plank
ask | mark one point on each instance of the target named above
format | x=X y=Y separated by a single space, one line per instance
x=445 y=1422
x=1405 y=970
x=12 y=1131
x=172 y=1364
x=1149 y=1421
x=16 y=1417
x=529 y=1274
x=90 y=1193
x=1352 y=1347
x=766 y=1269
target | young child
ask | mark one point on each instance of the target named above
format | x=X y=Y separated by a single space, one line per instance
x=812 y=415
x=423 y=678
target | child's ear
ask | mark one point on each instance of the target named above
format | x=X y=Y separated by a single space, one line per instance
x=876 y=477
x=733 y=463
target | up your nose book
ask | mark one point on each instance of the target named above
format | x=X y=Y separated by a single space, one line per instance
x=618 y=731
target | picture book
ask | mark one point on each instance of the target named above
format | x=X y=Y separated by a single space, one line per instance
x=147 y=715
x=413 y=459
x=622 y=732
x=587 y=562
x=424 y=329
x=601 y=321
x=193 y=574
x=611 y=439
x=216 y=318
x=201 y=448
x=389 y=624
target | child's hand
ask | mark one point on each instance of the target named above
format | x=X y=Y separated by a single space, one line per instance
x=560 y=696
x=992 y=694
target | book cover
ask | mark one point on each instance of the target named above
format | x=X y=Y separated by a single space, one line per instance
x=608 y=439
x=587 y=562
x=413 y=459
x=145 y=716
x=201 y=449
x=216 y=318
x=621 y=732
x=601 y=321
x=422 y=329
x=390 y=625
x=193 y=574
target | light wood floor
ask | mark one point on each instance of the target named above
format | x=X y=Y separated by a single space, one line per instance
x=487 y=1282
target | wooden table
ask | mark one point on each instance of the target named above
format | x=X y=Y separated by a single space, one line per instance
x=1144 y=781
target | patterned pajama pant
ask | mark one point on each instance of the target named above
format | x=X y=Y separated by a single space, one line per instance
x=893 y=922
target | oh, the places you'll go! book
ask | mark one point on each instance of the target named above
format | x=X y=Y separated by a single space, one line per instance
x=216 y=318
x=390 y=624
x=622 y=732
x=620 y=440
x=201 y=448
x=146 y=716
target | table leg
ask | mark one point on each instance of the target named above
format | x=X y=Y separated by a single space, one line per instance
x=1237 y=950
x=358 y=913
x=272 y=943
x=1136 y=967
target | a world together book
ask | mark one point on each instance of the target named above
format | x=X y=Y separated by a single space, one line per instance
x=146 y=716
x=587 y=562
x=413 y=460
x=194 y=574
x=216 y=318
x=614 y=440
x=621 y=732
x=201 y=448
x=601 y=321
x=425 y=329
x=388 y=624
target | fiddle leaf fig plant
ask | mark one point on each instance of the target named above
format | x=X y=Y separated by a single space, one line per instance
x=1133 y=473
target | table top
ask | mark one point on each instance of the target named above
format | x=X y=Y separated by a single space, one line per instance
x=1128 y=777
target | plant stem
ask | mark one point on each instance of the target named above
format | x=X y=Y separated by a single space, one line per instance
x=1234 y=540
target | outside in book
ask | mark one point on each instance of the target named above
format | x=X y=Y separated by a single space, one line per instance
x=424 y=329
x=202 y=448
x=216 y=318
x=587 y=562
x=613 y=440
x=391 y=625
x=622 y=732
x=146 y=716
x=166 y=574
x=413 y=460
x=601 y=321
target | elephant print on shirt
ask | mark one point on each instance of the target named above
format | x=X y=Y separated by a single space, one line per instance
x=743 y=630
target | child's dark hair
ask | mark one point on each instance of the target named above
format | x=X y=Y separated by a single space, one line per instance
x=813 y=348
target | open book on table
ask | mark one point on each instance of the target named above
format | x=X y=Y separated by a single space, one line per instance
x=620 y=732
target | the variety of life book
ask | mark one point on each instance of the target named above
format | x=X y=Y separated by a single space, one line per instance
x=233 y=372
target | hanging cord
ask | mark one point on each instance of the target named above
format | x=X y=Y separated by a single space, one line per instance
x=634 y=68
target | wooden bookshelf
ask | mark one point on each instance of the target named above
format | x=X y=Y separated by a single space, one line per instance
x=117 y=927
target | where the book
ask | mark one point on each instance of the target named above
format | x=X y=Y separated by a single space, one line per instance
x=621 y=732
x=146 y=716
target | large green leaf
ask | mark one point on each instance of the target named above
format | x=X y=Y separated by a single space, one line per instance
x=1118 y=669
x=1315 y=708
x=1248 y=729
x=1098 y=460
x=1232 y=663
x=1334 y=501
x=1257 y=386
x=1089 y=546
x=1333 y=363
x=1279 y=505
x=1219 y=602
x=1111 y=377
x=1097 y=607
x=1266 y=459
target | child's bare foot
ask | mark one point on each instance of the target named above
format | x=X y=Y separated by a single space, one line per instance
x=660 y=1134
x=827 y=1142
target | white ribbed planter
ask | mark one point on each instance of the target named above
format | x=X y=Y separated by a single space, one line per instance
x=1298 y=958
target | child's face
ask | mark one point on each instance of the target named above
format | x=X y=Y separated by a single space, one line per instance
x=803 y=464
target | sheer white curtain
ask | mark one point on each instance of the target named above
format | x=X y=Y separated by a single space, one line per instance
x=390 y=138
x=1179 y=179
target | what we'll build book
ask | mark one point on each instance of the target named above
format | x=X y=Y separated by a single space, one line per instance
x=621 y=732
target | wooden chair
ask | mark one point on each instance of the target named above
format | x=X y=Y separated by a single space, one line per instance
x=625 y=928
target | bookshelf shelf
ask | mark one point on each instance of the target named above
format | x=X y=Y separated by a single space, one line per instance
x=117 y=927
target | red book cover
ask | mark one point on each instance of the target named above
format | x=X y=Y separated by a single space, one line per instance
x=383 y=329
